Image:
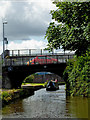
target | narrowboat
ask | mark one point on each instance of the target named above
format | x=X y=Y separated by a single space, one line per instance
x=52 y=86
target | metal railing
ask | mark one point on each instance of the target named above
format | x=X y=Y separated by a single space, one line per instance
x=29 y=52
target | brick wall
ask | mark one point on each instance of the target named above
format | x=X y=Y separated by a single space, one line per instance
x=44 y=78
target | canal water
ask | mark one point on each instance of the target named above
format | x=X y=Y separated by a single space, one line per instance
x=48 y=104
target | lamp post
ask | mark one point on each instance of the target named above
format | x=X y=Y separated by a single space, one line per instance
x=3 y=39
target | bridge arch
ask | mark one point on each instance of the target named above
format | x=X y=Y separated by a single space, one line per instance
x=17 y=74
x=44 y=76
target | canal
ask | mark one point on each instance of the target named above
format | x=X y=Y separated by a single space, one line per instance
x=48 y=104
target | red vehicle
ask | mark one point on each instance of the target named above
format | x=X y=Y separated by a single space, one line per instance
x=42 y=60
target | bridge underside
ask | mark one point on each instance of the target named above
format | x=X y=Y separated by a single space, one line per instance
x=16 y=74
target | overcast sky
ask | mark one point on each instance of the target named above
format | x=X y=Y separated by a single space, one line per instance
x=27 y=22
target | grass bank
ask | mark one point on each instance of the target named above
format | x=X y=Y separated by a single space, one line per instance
x=9 y=95
x=27 y=89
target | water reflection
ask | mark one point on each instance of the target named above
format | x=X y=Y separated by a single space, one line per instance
x=77 y=106
x=46 y=104
x=15 y=107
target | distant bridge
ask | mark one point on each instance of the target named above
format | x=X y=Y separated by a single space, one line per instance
x=15 y=66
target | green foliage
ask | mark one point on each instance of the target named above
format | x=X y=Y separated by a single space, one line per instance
x=72 y=30
x=6 y=97
x=10 y=95
x=78 y=75
x=29 y=79
x=0 y=67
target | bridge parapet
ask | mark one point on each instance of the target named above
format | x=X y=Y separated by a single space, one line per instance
x=36 y=59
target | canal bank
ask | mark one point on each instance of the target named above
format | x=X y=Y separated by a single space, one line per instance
x=48 y=104
x=10 y=95
x=27 y=89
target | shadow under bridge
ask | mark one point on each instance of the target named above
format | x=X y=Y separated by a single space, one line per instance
x=18 y=73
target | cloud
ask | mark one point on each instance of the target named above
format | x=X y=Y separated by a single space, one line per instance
x=29 y=44
x=4 y=6
x=26 y=18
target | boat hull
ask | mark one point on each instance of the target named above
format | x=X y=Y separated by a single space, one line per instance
x=52 y=89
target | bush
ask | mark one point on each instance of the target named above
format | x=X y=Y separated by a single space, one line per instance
x=77 y=76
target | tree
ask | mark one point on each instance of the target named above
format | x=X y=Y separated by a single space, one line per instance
x=72 y=30
x=29 y=79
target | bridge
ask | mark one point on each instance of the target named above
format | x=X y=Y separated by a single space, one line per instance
x=15 y=67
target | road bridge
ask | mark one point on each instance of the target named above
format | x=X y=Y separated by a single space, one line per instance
x=15 y=66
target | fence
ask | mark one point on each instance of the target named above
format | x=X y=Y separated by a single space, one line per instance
x=29 y=52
